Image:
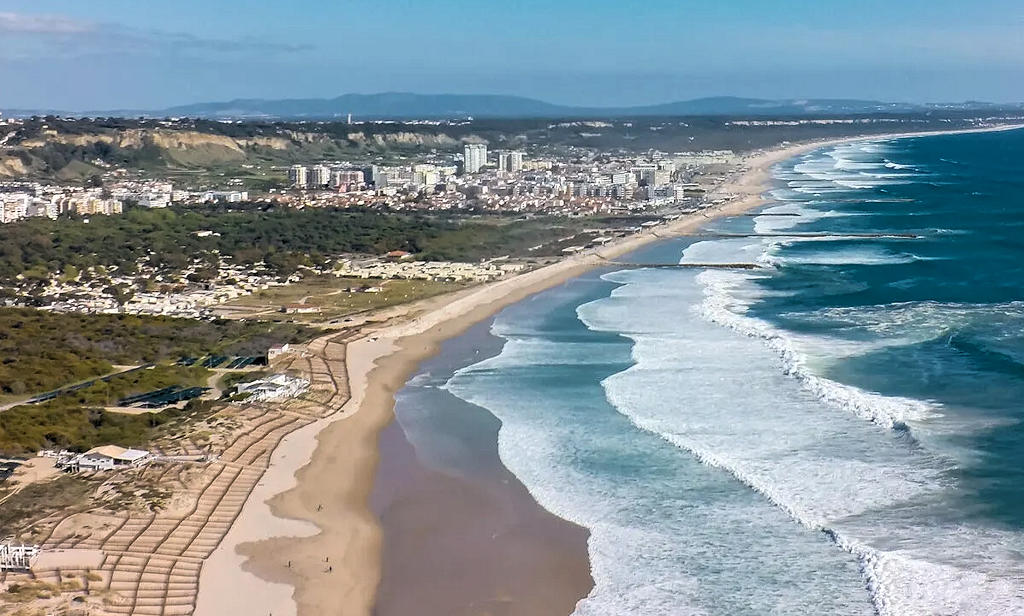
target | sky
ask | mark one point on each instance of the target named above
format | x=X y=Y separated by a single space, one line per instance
x=81 y=55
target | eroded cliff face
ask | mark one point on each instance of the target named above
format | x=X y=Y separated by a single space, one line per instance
x=137 y=138
x=306 y=137
x=12 y=167
x=403 y=138
x=274 y=143
x=184 y=140
x=178 y=147
x=77 y=140
x=193 y=148
x=179 y=139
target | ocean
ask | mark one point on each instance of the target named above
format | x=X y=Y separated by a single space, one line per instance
x=840 y=431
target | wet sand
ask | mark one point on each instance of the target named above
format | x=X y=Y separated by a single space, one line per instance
x=461 y=534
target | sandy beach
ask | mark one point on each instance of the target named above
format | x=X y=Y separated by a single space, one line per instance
x=461 y=534
x=309 y=529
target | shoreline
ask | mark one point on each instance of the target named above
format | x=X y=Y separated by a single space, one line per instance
x=462 y=534
x=334 y=460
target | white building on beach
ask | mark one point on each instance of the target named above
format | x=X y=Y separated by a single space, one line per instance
x=107 y=458
x=274 y=387
x=17 y=557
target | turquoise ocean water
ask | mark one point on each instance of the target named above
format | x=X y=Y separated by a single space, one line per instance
x=840 y=432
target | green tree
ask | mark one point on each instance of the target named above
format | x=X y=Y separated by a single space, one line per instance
x=70 y=273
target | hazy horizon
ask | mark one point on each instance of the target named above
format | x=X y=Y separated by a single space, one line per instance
x=540 y=99
x=117 y=54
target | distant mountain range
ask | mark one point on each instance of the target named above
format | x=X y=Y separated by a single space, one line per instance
x=403 y=105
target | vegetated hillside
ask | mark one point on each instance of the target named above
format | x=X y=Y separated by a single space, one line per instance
x=69 y=150
x=40 y=350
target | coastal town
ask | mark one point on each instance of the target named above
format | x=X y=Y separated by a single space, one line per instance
x=642 y=191
x=579 y=182
x=509 y=181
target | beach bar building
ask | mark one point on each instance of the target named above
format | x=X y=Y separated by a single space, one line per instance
x=107 y=458
x=17 y=557
x=273 y=387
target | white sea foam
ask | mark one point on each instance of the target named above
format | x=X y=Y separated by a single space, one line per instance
x=726 y=251
x=542 y=352
x=721 y=306
x=930 y=317
x=852 y=165
x=720 y=397
x=663 y=538
x=847 y=167
x=995 y=328
x=422 y=379
x=784 y=217
x=860 y=255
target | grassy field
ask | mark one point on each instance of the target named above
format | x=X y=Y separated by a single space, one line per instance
x=329 y=294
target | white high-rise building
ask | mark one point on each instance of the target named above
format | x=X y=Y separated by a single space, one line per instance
x=14 y=207
x=297 y=175
x=387 y=177
x=515 y=161
x=344 y=178
x=154 y=200
x=510 y=161
x=320 y=176
x=43 y=207
x=645 y=174
x=475 y=155
x=621 y=178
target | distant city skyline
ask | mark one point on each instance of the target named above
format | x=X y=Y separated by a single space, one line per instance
x=117 y=54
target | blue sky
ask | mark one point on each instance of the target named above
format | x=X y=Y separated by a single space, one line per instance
x=103 y=54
